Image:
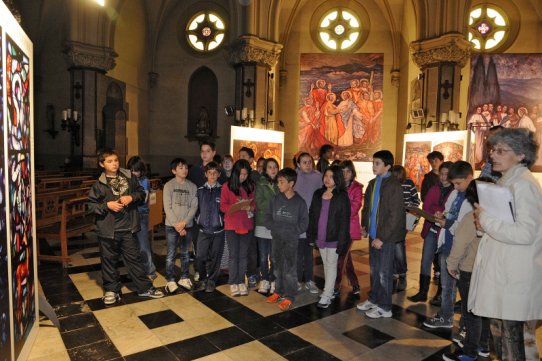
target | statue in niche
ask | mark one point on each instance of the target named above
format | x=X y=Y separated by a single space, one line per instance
x=202 y=125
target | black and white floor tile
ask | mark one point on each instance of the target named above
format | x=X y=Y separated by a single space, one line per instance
x=214 y=326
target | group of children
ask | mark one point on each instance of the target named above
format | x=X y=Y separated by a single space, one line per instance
x=286 y=213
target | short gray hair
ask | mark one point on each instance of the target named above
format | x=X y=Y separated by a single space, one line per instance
x=520 y=140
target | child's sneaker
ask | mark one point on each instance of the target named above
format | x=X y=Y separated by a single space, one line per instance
x=171 y=287
x=378 y=312
x=336 y=293
x=274 y=298
x=210 y=286
x=324 y=302
x=272 y=287
x=458 y=355
x=355 y=290
x=299 y=286
x=483 y=351
x=264 y=286
x=438 y=322
x=243 y=291
x=152 y=293
x=459 y=338
x=312 y=287
x=110 y=298
x=186 y=284
x=366 y=306
x=252 y=281
x=234 y=290
x=285 y=304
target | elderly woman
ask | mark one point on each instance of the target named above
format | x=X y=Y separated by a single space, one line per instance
x=506 y=281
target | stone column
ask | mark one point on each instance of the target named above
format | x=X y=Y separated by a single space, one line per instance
x=440 y=60
x=255 y=61
x=88 y=65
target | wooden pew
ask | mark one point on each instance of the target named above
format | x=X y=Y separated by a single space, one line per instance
x=60 y=183
x=74 y=221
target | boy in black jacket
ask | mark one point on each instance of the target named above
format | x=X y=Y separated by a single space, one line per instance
x=286 y=218
x=114 y=199
x=383 y=219
x=210 y=222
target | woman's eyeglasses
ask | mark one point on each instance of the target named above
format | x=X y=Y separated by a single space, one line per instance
x=499 y=151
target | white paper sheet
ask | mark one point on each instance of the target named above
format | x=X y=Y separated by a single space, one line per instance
x=496 y=200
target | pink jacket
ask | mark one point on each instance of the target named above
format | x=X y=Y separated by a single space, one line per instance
x=431 y=205
x=239 y=220
x=355 y=194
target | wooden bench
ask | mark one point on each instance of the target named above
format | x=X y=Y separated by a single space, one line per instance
x=49 y=204
x=72 y=221
x=60 y=183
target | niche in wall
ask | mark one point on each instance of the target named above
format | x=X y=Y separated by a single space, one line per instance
x=202 y=105
x=114 y=122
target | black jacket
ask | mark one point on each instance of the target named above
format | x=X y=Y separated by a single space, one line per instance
x=100 y=193
x=391 y=217
x=209 y=218
x=338 y=222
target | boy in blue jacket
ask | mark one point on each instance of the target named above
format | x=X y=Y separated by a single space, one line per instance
x=210 y=222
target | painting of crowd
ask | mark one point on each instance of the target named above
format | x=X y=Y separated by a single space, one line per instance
x=504 y=92
x=341 y=103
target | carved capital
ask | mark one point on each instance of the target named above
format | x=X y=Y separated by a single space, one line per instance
x=80 y=55
x=249 y=48
x=449 y=48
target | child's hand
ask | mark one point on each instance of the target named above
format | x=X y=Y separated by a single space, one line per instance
x=180 y=226
x=454 y=273
x=377 y=243
x=115 y=206
x=182 y=232
x=125 y=200
x=364 y=232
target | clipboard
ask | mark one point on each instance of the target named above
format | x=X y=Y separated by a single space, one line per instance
x=496 y=200
x=242 y=203
x=421 y=213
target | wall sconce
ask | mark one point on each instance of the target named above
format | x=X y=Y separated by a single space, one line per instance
x=70 y=123
x=50 y=116
x=265 y=122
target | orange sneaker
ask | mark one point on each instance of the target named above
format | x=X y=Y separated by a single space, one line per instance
x=274 y=298
x=285 y=304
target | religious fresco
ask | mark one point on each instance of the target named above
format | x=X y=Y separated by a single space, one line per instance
x=341 y=103
x=261 y=149
x=452 y=151
x=506 y=90
x=415 y=161
x=20 y=191
x=5 y=344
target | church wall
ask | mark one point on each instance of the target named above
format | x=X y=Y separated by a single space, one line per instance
x=130 y=44
x=175 y=63
x=300 y=41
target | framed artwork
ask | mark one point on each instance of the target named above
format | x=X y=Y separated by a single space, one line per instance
x=18 y=274
x=264 y=143
x=341 y=103
x=453 y=146
x=503 y=91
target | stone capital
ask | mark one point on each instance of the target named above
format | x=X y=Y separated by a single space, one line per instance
x=449 y=48
x=81 y=55
x=249 y=48
x=395 y=77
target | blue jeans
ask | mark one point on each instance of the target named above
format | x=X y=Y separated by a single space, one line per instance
x=400 y=261
x=381 y=264
x=144 y=245
x=266 y=262
x=428 y=253
x=174 y=240
x=448 y=289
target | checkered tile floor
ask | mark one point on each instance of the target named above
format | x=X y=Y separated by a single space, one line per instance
x=215 y=326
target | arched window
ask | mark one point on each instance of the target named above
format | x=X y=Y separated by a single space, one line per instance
x=339 y=29
x=489 y=27
x=205 y=31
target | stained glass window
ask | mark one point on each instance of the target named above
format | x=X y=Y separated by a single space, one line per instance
x=339 y=29
x=205 y=31
x=488 y=27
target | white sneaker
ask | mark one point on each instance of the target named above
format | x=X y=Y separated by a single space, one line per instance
x=234 y=290
x=299 y=286
x=110 y=298
x=264 y=286
x=377 y=312
x=243 y=291
x=324 y=302
x=185 y=283
x=272 y=288
x=311 y=286
x=171 y=287
x=366 y=306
